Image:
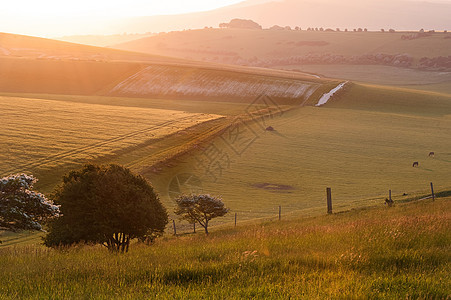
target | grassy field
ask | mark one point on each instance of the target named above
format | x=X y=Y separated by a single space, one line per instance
x=383 y=75
x=47 y=136
x=361 y=145
x=401 y=252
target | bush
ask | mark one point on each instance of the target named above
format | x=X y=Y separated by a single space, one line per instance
x=20 y=207
x=106 y=205
x=200 y=209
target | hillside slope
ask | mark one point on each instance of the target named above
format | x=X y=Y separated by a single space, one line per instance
x=211 y=84
x=34 y=65
x=416 y=60
x=373 y=14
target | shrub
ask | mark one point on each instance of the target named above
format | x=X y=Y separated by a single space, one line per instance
x=200 y=209
x=106 y=205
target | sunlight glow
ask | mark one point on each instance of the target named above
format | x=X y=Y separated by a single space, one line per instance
x=56 y=17
x=110 y=8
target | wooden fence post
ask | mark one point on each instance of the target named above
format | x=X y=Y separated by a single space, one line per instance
x=194 y=227
x=329 y=200
x=432 y=191
x=389 y=195
x=173 y=225
x=280 y=212
x=235 y=219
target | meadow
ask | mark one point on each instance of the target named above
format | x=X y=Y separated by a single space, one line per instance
x=383 y=75
x=361 y=144
x=402 y=252
x=254 y=137
x=211 y=124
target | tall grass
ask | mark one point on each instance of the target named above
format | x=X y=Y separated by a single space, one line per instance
x=389 y=253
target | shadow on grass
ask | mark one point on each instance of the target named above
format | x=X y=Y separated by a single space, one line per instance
x=441 y=194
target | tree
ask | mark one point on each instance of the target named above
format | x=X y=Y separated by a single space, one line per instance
x=241 y=24
x=200 y=208
x=106 y=205
x=20 y=207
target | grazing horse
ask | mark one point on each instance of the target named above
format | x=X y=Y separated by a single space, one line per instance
x=389 y=202
x=431 y=154
x=415 y=164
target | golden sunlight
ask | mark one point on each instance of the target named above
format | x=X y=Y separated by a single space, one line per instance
x=53 y=17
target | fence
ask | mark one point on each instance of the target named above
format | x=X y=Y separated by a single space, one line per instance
x=388 y=201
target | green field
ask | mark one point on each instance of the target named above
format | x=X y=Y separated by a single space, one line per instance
x=361 y=145
x=379 y=253
x=254 y=137
x=383 y=75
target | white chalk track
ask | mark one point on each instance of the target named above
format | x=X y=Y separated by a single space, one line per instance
x=326 y=97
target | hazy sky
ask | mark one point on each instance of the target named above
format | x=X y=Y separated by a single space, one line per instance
x=70 y=8
x=56 y=17
x=53 y=18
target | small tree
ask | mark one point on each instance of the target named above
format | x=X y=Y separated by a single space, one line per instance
x=200 y=209
x=106 y=205
x=20 y=207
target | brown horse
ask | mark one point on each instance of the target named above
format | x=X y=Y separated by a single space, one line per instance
x=415 y=164
x=431 y=154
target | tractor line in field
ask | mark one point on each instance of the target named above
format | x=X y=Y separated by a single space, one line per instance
x=65 y=154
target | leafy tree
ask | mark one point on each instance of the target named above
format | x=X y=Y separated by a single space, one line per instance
x=20 y=207
x=200 y=209
x=106 y=205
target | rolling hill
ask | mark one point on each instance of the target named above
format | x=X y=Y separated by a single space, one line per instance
x=373 y=14
x=310 y=147
x=279 y=47
x=402 y=58
x=65 y=83
x=34 y=65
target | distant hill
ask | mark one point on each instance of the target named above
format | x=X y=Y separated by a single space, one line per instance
x=102 y=40
x=284 y=47
x=22 y=46
x=373 y=14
